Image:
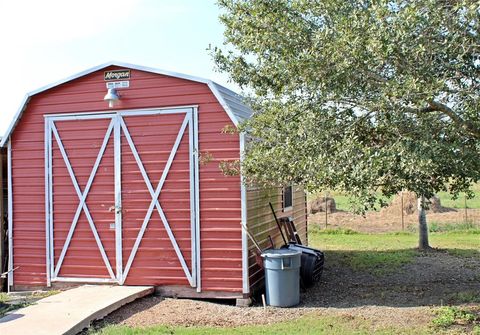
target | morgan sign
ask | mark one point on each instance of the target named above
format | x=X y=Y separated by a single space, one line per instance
x=116 y=75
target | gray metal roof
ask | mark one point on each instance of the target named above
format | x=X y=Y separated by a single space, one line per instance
x=232 y=102
x=235 y=103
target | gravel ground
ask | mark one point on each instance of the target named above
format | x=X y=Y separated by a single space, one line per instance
x=184 y=312
x=432 y=279
x=403 y=299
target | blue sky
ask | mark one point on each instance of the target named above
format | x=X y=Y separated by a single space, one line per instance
x=45 y=41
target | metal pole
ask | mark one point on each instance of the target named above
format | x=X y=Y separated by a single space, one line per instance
x=466 y=211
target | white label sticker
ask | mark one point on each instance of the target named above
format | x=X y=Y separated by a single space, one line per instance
x=118 y=84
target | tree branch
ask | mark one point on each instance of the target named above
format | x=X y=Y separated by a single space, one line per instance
x=435 y=106
x=468 y=126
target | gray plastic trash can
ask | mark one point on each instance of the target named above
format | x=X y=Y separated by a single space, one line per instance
x=282 y=277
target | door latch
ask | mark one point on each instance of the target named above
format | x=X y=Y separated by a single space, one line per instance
x=117 y=209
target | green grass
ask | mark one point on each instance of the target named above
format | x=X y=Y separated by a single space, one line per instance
x=307 y=325
x=44 y=294
x=6 y=307
x=340 y=231
x=345 y=239
x=447 y=201
x=438 y=227
x=381 y=254
x=449 y=316
x=464 y=244
x=4 y=297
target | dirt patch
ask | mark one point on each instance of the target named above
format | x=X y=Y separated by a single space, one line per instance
x=382 y=222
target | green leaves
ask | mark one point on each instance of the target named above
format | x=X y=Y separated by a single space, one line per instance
x=358 y=96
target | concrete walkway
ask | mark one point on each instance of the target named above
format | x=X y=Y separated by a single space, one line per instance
x=70 y=311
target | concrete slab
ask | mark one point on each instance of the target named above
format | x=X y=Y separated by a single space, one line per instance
x=70 y=311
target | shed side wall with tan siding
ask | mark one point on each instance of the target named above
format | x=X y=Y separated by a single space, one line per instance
x=261 y=223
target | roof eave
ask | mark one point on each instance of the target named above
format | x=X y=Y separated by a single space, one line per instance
x=210 y=83
x=15 y=120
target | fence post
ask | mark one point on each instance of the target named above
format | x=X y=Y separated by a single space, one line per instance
x=326 y=210
x=403 y=222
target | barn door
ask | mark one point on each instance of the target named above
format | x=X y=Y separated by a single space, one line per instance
x=83 y=232
x=158 y=198
x=121 y=197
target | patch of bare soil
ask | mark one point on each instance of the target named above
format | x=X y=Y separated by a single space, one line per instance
x=401 y=299
x=388 y=221
x=434 y=278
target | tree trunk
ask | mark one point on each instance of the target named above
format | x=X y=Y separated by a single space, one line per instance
x=422 y=225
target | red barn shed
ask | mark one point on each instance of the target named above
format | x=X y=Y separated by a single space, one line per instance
x=129 y=190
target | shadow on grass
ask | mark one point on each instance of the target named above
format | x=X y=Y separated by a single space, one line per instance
x=397 y=278
x=6 y=308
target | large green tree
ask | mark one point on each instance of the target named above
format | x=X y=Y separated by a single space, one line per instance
x=367 y=97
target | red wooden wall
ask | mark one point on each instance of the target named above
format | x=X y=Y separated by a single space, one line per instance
x=220 y=213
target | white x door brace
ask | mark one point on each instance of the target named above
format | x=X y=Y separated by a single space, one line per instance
x=117 y=125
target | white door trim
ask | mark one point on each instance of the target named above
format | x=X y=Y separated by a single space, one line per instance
x=118 y=198
x=82 y=197
x=154 y=201
x=123 y=112
x=116 y=126
x=196 y=205
x=48 y=135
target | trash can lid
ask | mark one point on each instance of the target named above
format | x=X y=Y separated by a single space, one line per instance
x=280 y=253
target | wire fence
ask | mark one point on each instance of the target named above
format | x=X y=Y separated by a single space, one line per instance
x=332 y=212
